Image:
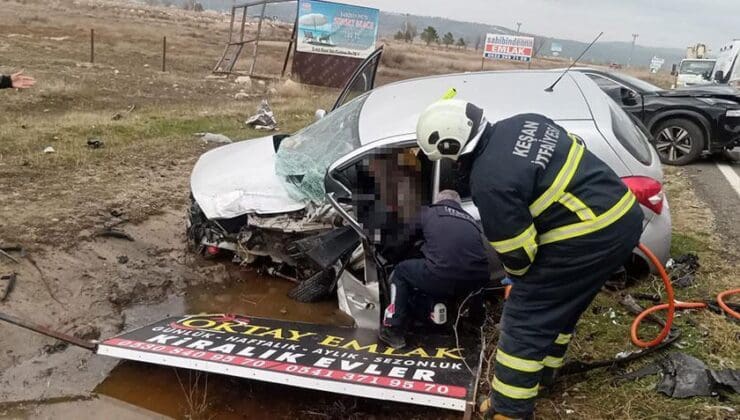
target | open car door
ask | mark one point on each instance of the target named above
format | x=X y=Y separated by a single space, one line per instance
x=366 y=189
x=362 y=80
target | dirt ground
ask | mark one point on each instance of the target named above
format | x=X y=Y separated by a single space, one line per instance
x=70 y=278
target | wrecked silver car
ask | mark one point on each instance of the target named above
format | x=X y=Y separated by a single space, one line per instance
x=332 y=201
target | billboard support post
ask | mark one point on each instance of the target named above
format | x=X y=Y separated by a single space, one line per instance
x=257 y=39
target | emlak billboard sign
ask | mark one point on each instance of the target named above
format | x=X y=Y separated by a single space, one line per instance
x=430 y=371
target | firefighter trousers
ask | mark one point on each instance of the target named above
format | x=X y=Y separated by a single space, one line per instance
x=544 y=306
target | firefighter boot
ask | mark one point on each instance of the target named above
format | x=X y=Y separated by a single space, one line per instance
x=485 y=408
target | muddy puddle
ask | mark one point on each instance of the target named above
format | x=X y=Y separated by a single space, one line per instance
x=143 y=391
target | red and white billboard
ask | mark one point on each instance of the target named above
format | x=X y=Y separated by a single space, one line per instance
x=508 y=47
x=433 y=370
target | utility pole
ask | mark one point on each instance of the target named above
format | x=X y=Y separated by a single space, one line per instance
x=632 y=50
x=518 y=26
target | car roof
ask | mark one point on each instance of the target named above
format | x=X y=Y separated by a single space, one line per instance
x=393 y=110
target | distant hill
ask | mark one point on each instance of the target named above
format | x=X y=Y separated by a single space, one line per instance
x=390 y=23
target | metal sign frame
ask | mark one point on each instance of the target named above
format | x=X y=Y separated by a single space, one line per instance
x=237 y=41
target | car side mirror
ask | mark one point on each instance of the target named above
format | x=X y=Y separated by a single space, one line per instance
x=629 y=98
x=719 y=76
x=674 y=70
x=319 y=114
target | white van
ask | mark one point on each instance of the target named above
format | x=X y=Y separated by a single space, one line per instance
x=695 y=71
x=727 y=69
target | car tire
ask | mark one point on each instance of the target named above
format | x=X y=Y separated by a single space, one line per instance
x=678 y=141
x=314 y=289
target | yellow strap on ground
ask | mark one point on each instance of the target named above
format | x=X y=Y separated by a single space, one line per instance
x=507 y=245
x=520 y=272
x=563 y=178
x=589 y=226
x=553 y=362
x=513 y=392
x=574 y=204
x=563 y=339
x=517 y=363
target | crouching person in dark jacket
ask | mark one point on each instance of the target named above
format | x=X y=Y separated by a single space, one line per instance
x=455 y=264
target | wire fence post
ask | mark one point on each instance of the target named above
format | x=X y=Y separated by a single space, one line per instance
x=164 y=54
x=92 y=45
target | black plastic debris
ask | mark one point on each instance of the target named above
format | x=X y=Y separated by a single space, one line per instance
x=683 y=270
x=95 y=143
x=685 y=376
x=727 y=377
x=7 y=281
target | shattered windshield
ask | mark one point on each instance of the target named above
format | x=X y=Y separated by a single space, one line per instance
x=303 y=158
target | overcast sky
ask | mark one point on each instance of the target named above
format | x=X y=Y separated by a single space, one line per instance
x=661 y=23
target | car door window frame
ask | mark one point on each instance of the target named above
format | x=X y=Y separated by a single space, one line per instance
x=638 y=94
x=373 y=59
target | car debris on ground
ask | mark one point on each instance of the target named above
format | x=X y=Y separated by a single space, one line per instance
x=685 y=376
x=683 y=269
x=213 y=138
x=264 y=119
x=95 y=143
x=7 y=281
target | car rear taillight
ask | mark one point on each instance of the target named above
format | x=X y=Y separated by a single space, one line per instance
x=648 y=191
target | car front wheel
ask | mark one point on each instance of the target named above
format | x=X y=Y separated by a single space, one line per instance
x=678 y=141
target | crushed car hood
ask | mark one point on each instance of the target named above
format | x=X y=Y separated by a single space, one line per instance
x=238 y=179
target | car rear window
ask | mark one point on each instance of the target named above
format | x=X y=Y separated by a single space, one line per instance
x=629 y=135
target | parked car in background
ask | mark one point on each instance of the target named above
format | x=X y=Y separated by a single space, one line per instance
x=261 y=197
x=684 y=122
x=727 y=68
x=692 y=72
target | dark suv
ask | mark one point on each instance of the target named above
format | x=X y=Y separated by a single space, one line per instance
x=684 y=122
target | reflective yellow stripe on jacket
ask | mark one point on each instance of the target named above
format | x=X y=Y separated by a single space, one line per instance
x=556 y=190
x=527 y=240
x=574 y=204
x=589 y=226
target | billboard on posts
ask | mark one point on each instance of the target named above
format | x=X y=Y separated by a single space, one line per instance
x=336 y=29
x=508 y=47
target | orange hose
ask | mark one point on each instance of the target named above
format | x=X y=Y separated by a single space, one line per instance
x=723 y=305
x=671 y=306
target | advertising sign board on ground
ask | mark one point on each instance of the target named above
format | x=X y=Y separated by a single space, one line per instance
x=431 y=370
x=508 y=47
x=336 y=29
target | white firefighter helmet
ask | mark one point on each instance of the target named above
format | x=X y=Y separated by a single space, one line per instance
x=449 y=128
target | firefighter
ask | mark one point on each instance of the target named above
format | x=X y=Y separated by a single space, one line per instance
x=455 y=264
x=560 y=220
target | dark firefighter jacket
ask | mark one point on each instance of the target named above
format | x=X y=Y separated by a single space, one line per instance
x=5 y=82
x=453 y=246
x=535 y=184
